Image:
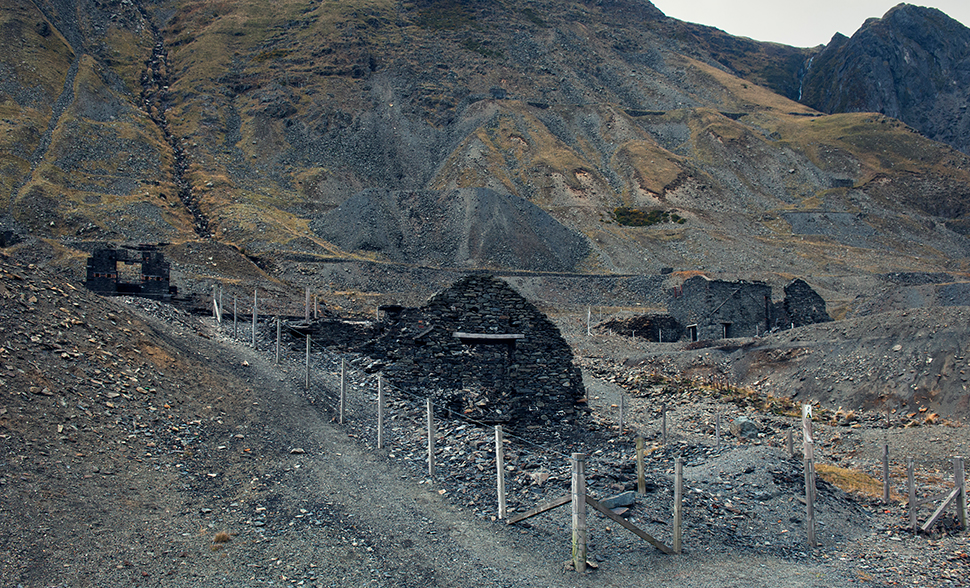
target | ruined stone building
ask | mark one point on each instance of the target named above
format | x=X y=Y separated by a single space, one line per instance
x=484 y=351
x=702 y=309
x=152 y=275
x=717 y=309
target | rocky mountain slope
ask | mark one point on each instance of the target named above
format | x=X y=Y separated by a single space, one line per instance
x=251 y=127
x=913 y=64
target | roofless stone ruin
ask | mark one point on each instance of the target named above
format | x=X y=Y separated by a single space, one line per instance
x=484 y=351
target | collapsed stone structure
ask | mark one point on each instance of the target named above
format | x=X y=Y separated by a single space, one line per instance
x=103 y=277
x=484 y=351
x=702 y=309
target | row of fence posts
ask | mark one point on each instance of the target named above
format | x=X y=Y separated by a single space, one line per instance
x=956 y=496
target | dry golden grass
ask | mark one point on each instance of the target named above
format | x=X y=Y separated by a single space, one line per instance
x=221 y=537
x=852 y=481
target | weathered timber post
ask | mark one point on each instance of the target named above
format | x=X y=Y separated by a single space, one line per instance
x=663 y=424
x=430 y=441
x=961 y=498
x=717 y=429
x=306 y=306
x=307 y=362
x=343 y=391
x=279 y=336
x=255 y=305
x=579 y=511
x=641 y=478
x=622 y=410
x=911 y=483
x=234 y=321
x=216 y=307
x=678 y=501
x=500 y=471
x=885 y=473
x=380 y=411
x=790 y=443
x=809 y=457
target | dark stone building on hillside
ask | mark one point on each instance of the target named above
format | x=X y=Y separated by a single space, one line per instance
x=702 y=309
x=103 y=275
x=482 y=350
x=717 y=309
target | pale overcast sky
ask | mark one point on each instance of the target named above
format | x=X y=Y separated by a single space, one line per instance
x=800 y=24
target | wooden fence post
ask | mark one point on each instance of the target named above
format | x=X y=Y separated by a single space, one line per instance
x=500 y=467
x=622 y=407
x=306 y=306
x=234 y=321
x=255 y=302
x=216 y=306
x=961 y=498
x=885 y=473
x=678 y=501
x=911 y=487
x=343 y=391
x=809 y=457
x=791 y=443
x=430 y=441
x=380 y=412
x=579 y=511
x=279 y=337
x=307 y=370
x=717 y=429
x=663 y=424
x=641 y=479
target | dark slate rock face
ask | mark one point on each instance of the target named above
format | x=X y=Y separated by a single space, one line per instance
x=468 y=227
x=527 y=384
x=913 y=64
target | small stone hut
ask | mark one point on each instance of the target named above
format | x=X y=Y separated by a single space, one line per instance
x=482 y=350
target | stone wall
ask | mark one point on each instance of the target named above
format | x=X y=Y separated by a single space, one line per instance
x=718 y=309
x=525 y=383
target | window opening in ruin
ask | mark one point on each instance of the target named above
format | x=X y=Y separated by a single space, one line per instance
x=128 y=273
x=692 y=333
x=725 y=330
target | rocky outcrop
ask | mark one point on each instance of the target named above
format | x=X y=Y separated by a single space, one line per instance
x=913 y=64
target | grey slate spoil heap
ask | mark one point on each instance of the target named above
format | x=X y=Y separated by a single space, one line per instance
x=527 y=384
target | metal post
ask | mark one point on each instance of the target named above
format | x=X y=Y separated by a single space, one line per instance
x=500 y=473
x=579 y=511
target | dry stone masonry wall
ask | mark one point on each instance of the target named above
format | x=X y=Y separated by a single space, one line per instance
x=526 y=383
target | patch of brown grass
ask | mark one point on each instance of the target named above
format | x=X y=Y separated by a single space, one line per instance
x=852 y=481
